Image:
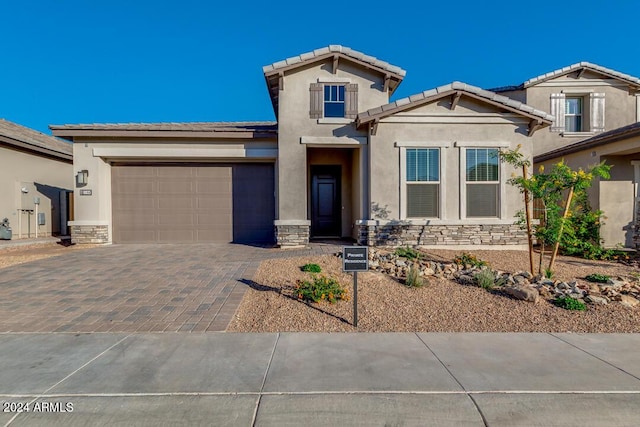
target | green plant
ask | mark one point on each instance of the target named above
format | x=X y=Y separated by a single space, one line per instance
x=548 y=273
x=414 y=280
x=320 y=288
x=408 y=253
x=311 y=268
x=597 y=278
x=569 y=303
x=466 y=258
x=486 y=279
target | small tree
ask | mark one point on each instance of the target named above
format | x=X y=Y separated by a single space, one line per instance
x=551 y=188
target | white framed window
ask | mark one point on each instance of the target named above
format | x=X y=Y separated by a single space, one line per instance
x=482 y=183
x=422 y=182
x=577 y=112
x=333 y=100
x=573 y=112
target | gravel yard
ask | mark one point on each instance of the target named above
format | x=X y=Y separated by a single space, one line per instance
x=384 y=304
x=13 y=255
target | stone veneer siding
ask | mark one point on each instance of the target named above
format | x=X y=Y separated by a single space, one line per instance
x=292 y=235
x=434 y=235
x=90 y=234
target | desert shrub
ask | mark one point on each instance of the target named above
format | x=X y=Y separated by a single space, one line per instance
x=311 y=268
x=408 y=253
x=548 y=273
x=486 y=279
x=320 y=288
x=569 y=303
x=597 y=278
x=466 y=258
x=414 y=280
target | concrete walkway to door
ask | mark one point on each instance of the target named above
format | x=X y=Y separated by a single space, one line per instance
x=133 y=288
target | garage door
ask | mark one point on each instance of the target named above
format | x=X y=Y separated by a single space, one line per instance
x=188 y=203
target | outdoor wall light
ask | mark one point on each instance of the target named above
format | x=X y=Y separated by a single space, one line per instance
x=82 y=177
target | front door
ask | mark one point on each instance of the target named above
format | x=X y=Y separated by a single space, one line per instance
x=325 y=201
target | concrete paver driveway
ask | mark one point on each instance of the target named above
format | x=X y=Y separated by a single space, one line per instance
x=127 y=288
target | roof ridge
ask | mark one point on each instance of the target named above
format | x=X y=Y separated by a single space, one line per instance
x=458 y=86
x=335 y=48
x=582 y=64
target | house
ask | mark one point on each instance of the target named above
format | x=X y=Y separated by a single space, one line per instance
x=341 y=161
x=595 y=113
x=36 y=179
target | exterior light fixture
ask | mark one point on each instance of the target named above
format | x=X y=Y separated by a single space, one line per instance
x=82 y=177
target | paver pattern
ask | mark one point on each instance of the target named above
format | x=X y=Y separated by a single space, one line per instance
x=134 y=288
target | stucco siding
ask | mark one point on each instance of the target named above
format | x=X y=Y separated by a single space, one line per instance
x=42 y=177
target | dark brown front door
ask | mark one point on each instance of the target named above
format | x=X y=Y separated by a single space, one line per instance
x=325 y=201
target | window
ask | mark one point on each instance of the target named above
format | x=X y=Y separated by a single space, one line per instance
x=573 y=114
x=577 y=112
x=482 y=182
x=423 y=182
x=333 y=100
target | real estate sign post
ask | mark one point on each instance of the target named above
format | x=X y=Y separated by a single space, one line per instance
x=354 y=259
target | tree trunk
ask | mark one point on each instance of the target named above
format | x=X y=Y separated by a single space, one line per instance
x=528 y=214
x=556 y=247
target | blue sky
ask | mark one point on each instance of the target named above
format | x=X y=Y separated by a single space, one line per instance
x=71 y=61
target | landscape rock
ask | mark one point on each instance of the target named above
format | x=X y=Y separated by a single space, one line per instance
x=594 y=299
x=628 y=301
x=525 y=293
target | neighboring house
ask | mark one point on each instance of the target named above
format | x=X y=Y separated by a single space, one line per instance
x=341 y=161
x=595 y=111
x=36 y=177
x=585 y=99
x=618 y=197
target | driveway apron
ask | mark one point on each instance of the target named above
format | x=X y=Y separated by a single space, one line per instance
x=134 y=288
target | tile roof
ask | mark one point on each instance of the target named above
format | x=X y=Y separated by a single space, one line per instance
x=582 y=65
x=405 y=103
x=267 y=126
x=335 y=48
x=613 y=135
x=30 y=138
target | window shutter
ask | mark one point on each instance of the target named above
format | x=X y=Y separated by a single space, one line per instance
x=597 y=112
x=557 y=111
x=316 y=100
x=351 y=101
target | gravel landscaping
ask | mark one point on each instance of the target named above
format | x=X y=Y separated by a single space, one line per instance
x=14 y=255
x=385 y=304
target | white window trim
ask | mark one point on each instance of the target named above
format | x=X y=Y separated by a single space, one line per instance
x=502 y=190
x=333 y=120
x=334 y=80
x=403 y=178
x=483 y=144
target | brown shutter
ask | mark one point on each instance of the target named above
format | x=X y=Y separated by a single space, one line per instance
x=351 y=101
x=316 y=100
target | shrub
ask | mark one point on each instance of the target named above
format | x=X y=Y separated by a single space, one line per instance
x=408 y=253
x=311 y=268
x=320 y=288
x=597 y=278
x=548 y=273
x=485 y=279
x=466 y=258
x=414 y=280
x=569 y=303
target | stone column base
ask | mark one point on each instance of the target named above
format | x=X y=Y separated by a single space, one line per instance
x=89 y=234
x=292 y=233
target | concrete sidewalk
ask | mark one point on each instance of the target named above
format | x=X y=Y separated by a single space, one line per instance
x=297 y=379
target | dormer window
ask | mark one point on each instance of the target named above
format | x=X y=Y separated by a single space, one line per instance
x=577 y=113
x=573 y=114
x=334 y=101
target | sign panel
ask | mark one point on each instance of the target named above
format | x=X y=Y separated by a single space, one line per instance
x=85 y=192
x=355 y=258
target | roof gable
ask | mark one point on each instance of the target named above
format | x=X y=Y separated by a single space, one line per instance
x=273 y=72
x=580 y=67
x=455 y=90
x=23 y=137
